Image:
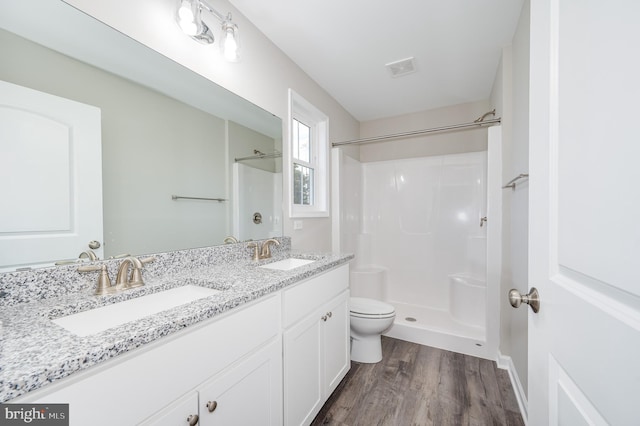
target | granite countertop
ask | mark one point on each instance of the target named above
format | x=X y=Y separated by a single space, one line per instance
x=34 y=351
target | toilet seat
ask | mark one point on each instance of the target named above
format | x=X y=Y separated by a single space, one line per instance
x=370 y=308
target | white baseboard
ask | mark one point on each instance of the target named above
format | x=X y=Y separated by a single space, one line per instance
x=506 y=363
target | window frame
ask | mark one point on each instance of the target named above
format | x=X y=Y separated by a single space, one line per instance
x=304 y=112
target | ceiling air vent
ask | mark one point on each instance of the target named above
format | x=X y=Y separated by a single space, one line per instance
x=401 y=67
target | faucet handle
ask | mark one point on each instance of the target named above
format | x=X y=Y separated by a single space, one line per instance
x=146 y=260
x=104 y=282
x=119 y=256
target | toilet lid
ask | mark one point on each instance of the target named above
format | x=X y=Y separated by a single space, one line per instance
x=364 y=306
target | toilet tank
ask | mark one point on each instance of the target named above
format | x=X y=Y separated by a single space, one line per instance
x=369 y=282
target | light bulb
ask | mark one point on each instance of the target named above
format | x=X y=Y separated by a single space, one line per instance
x=189 y=28
x=230 y=46
x=185 y=13
x=187 y=17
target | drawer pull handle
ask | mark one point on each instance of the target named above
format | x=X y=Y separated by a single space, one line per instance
x=329 y=314
x=192 y=420
x=212 y=405
x=323 y=318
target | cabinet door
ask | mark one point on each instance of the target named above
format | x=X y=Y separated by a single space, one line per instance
x=175 y=414
x=303 y=394
x=337 y=359
x=247 y=394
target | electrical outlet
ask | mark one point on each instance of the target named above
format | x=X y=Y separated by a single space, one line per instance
x=297 y=224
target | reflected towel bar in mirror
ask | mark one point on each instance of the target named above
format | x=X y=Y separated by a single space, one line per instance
x=179 y=197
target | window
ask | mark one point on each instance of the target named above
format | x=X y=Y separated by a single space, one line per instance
x=302 y=164
x=308 y=166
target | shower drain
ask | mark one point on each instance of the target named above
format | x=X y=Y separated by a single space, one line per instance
x=410 y=319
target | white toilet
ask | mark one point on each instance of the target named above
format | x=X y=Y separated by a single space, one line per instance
x=369 y=319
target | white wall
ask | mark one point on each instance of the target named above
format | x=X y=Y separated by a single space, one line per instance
x=263 y=76
x=510 y=95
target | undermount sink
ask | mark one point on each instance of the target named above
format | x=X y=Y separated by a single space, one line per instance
x=287 y=264
x=96 y=320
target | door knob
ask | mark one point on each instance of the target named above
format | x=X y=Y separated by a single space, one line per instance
x=532 y=299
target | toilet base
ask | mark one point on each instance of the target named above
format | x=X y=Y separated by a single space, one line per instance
x=366 y=349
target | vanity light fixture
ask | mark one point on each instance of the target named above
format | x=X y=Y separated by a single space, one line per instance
x=189 y=18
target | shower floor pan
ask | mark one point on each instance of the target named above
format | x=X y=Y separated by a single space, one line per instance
x=437 y=328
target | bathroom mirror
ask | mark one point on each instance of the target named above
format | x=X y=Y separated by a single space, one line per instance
x=166 y=132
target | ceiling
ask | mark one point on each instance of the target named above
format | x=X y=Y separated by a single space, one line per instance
x=344 y=46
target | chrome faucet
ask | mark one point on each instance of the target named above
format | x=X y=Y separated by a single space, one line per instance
x=126 y=280
x=262 y=251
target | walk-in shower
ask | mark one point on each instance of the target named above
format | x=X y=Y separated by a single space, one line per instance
x=419 y=228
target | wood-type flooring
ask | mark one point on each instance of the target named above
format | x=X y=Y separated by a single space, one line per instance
x=421 y=385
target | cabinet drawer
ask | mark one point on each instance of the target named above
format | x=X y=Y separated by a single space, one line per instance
x=300 y=300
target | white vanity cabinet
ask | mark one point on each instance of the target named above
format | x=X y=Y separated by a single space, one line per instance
x=235 y=353
x=316 y=343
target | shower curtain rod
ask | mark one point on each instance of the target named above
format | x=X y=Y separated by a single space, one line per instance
x=476 y=123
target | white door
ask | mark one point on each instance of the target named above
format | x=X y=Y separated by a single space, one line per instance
x=50 y=177
x=584 y=344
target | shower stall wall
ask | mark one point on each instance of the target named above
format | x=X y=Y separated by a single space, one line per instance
x=418 y=228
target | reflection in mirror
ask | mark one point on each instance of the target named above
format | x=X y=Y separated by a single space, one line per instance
x=164 y=131
x=257 y=194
